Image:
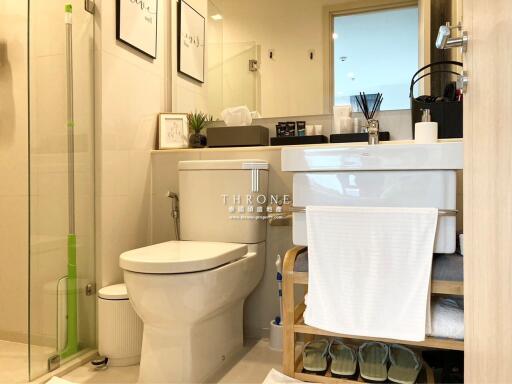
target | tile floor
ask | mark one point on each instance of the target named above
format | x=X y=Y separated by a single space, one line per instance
x=253 y=366
x=14 y=361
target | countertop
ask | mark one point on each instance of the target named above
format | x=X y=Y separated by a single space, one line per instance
x=278 y=148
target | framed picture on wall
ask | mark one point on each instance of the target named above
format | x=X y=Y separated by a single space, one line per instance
x=136 y=24
x=173 y=131
x=191 y=42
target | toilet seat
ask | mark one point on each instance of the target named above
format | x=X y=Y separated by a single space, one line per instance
x=181 y=257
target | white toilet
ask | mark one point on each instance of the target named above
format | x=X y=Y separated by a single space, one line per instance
x=190 y=293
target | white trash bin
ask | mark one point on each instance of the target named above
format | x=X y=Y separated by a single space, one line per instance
x=119 y=327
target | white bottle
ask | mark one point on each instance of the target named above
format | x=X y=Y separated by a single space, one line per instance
x=426 y=131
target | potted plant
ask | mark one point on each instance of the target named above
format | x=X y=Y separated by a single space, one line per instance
x=197 y=121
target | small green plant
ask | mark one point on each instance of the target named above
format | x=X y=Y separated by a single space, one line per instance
x=197 y=121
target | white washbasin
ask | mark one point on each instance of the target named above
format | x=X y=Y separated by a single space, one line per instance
x=390 y=175
x=390 y=156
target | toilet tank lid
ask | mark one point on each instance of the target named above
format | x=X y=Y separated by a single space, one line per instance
x=114 y=292
x=181 y=257
x=222 y=164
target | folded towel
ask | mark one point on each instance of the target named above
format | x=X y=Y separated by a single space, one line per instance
x=448 y=318
x=448 y=267
x=369 y=270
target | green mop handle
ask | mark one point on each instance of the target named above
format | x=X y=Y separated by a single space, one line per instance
x=71 y=294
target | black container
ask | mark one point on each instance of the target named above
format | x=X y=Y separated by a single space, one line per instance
x=290 y=128
x=246 y=136
x=281 y=129
x=301 y=128
x=356 y=137
x=447 y=114
x=299 y=140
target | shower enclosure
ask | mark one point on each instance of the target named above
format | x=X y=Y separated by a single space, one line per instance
x=47 y=300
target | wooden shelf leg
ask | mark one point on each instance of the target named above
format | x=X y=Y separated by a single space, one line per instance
x=288 y=322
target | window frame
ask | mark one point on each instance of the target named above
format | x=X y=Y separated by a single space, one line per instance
x=355 y=7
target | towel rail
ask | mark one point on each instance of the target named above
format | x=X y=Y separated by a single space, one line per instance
x=442 y=212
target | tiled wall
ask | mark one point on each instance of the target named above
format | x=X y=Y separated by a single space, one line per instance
x=13 y=171
x=130 y=93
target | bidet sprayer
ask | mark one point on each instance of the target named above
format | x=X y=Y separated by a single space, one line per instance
x=175 y=212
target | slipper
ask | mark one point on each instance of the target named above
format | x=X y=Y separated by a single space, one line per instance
x=314 y=355
x=373 y=360
x=405 y=365
x=343 y=359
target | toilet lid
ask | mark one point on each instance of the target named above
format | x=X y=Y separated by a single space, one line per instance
x=181 y=257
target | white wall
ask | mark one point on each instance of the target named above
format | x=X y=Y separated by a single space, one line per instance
x=131 y=90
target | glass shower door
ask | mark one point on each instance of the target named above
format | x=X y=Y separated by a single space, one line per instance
x=61 y=318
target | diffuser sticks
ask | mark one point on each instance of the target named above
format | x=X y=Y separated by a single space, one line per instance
x=366 y=106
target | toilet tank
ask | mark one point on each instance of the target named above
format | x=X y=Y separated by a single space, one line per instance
x=219 y=200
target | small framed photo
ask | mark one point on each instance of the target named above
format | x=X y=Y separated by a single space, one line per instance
x=173 y=131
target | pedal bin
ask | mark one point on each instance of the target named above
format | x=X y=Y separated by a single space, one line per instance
x=119 y=327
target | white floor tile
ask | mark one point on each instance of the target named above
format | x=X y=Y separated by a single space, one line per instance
x=14 y=361
x=253 y=366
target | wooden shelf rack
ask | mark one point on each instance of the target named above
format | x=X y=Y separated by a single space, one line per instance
x=293 y=322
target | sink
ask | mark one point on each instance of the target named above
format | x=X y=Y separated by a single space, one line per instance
x=447 y=155
x=392 y=175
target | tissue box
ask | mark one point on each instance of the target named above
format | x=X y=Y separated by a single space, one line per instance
x=247 y=136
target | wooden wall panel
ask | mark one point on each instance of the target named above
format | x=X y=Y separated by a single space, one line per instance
x=488 y=192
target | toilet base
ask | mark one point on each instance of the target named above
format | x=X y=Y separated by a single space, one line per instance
x=191 y=353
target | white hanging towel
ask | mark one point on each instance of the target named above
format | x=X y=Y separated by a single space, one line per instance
x=369 y=270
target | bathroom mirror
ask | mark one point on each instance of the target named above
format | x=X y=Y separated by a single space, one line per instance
x=301 y=57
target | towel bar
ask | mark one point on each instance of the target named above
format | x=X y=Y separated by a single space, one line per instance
x=442 y=212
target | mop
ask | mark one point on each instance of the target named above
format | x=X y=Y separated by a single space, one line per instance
x=71 y=283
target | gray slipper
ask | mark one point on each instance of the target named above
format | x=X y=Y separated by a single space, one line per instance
x=314 y=355
x=405 y=365
x=373 y=360
x=343 y=358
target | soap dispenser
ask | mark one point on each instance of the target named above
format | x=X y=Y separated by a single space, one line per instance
x=426 y=131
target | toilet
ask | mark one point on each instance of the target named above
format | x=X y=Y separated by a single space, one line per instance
x=190 y=293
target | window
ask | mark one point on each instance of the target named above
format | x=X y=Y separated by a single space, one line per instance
x=375 y=52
